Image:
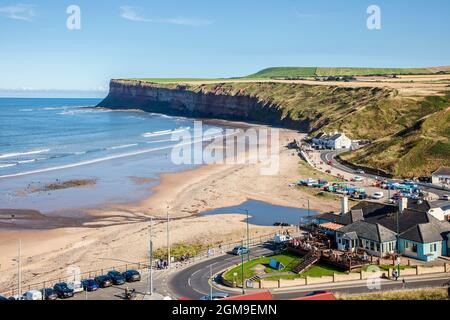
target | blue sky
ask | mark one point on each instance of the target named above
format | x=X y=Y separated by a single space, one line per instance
x=200 y=38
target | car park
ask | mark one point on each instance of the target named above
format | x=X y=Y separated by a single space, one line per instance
x=49 y=294
x=63 y=291
x=378 y=195
x=239 y=250
x=89 y=285
x=104 y=281
x=117 y=277
x=132 y=276
x=76 y=286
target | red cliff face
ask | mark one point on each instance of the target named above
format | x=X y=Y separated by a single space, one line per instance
x=198 y=102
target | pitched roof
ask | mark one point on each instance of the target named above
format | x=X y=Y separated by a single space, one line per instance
x=336 y=136
x=370 y=231
x=356 y=215
x=442 y=171
x=433 y=231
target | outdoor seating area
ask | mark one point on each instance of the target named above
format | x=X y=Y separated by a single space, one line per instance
x=321 y=244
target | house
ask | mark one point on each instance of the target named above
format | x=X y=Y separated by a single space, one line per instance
x=440 y=210
x=339 y=141
x=375 y=239
x=426 y=241
x=332 y=141
x=441 y=176
x=374 y=227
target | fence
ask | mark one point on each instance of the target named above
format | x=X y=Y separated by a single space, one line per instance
x=144 y=265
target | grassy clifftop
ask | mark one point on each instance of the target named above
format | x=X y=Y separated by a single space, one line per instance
x=314 y=71
x=415 y=151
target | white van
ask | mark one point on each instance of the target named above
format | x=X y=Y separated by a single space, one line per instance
x=33 y=295
x=76 y=286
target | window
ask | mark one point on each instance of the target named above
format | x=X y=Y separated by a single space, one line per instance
x=372 y=245
x=433 y=247
x=414 y=247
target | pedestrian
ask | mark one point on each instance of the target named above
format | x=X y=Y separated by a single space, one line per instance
x=404 y=283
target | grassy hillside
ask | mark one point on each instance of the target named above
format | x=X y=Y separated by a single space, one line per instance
x=280 y=72
x=415 y=151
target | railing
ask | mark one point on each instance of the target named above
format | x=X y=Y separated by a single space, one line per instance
x=144 y=265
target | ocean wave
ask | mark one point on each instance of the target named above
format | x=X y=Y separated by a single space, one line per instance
x=25 y=110
x=123 y=146
x=94 y=161
x=27 y=161
x=18 y=154
x=164 y=132
x=7 y=165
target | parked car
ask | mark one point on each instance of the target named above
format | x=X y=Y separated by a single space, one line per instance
x=32 y=295
x=359 y=171
x=240 y=250
x=117 y=277
x=378 y=195
x=132 y=276
x=104 y=281
x=216 y=296
x=2 y=298
x=446 y=197
x=317 y=292
x=49 y=294
x=76 y=286
x=357 y=179
x=63 y=291
x=89 y=285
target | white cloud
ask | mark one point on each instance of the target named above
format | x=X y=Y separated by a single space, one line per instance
x=132 y=13
x=135 y=14
x=18 y=12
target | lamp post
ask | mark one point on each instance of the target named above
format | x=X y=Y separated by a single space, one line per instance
x=168 y=240
x=248 y=238
x=242 y=269
x=150 y=266
x=398 y=244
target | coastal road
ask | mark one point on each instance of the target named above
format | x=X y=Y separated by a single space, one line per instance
x=193 y=282
x=326 y=156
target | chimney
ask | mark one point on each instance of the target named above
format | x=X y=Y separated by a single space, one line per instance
x=402 y=204
x=344 y=205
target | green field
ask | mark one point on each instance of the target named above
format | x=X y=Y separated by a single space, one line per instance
x=303 y=72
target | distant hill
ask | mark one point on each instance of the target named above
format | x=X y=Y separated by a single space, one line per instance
x=282 y=72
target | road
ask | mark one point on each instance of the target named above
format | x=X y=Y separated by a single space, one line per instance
x=326 y=156
x=193 y=282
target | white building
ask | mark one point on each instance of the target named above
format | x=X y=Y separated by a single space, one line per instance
x=440 y=210
x=339 y=141
x=441 y=176
x=332 y=141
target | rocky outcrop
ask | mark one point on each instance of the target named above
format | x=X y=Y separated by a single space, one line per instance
x=198 y=102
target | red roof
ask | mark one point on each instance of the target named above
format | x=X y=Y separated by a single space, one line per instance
x=322 y=296
x=265 y=295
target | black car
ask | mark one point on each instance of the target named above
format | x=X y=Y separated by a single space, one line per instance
x=116 y=277
x=2 y=298
x=89 y=285
x=63 y=291
x=132 y=276
x=49 y=294
x=104 y=281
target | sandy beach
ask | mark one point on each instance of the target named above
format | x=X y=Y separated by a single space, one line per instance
x=118 y=234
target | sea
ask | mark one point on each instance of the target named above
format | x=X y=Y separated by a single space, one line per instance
x=51 y=141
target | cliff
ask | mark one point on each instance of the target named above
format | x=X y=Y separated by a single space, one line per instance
x=377 y=114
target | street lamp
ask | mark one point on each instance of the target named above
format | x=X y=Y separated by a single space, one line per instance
x=168 y=240
x=150 y=266
x=242 y=269
x=248 y=238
